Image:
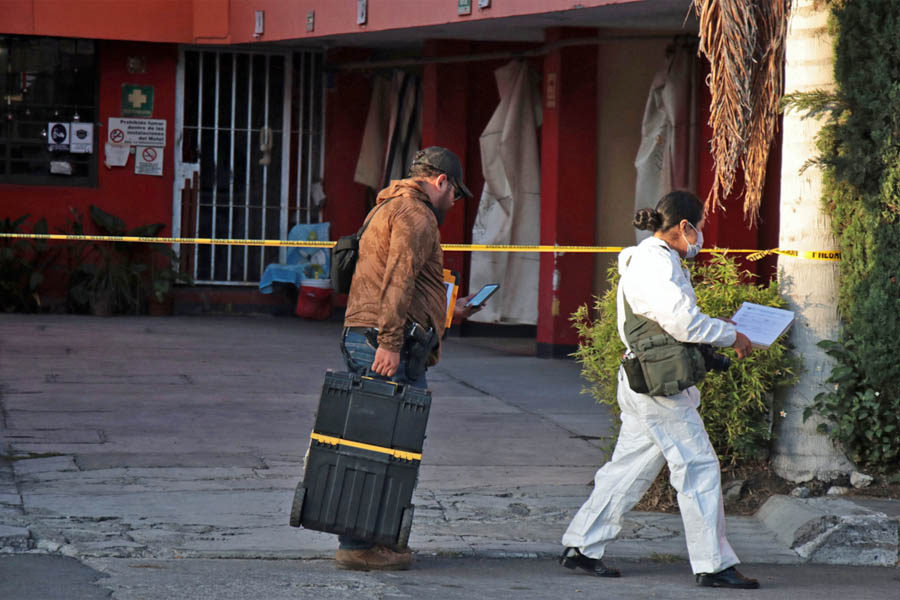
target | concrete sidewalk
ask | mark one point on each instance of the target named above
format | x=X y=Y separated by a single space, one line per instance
x=184 y=437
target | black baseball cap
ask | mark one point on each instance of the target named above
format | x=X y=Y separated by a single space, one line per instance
x=445 y=161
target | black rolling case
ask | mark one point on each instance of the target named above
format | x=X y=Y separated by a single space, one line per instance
x=363 y=460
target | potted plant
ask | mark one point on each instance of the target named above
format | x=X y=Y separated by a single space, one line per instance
x=119 y=277
x=108 y=285
x=22 y=266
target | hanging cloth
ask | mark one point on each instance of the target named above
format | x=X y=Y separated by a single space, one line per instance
x=664 y=161
x=393 y=130
x=509 y=210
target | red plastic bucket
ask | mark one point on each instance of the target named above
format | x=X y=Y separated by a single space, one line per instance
x=315 y=299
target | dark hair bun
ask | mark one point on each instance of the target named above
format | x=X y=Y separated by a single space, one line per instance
x=647 y=219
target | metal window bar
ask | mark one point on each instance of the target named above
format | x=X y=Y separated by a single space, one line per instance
x=200 y=62
x=215 y=185
x=249 y=154
x=309 y=129
x=233 y=128
x=265 y=173
x=286 y=150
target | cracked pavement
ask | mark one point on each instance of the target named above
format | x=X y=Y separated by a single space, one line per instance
x=183 y=437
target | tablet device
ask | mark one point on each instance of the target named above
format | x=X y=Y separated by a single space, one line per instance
x=483 y=294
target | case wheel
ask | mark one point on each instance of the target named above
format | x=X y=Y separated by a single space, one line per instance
x=297 y=505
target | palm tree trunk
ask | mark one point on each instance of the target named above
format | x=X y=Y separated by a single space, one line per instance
x=810 y=286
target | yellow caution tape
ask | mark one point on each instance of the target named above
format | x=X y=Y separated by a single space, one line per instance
x=335 y=441
x=524 y=248
x=167 y=240
x=829 y=255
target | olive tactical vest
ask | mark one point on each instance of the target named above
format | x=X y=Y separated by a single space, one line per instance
x=662 y=366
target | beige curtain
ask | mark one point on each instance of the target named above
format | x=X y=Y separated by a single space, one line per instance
x=664 y=161
x=510 y=206
x=393 y=130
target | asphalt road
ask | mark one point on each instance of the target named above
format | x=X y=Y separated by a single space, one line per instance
x=163 y=454
x=43 y=577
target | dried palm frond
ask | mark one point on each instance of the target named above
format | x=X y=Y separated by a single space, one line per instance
x=744 y=43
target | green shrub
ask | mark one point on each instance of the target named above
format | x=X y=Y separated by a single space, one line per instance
x=736 y=404
x=118 y=277
x=860 y=156
x=23 y=263
x=863 y=422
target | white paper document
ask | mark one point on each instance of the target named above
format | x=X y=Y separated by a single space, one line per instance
x=762 y=324
x=117 y=154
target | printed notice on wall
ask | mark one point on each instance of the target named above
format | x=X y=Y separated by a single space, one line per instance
x=137 y=132
x=148 y=160
x=82 y=138
x=58 y=137
x=116 y=155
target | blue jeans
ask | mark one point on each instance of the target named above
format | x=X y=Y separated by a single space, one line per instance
x=359 y=355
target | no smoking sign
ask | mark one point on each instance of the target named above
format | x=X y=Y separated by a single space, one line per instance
x=148 y=160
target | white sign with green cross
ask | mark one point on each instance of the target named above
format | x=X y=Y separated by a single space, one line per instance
x=137 y=100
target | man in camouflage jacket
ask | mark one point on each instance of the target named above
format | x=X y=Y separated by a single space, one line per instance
x=398 y=282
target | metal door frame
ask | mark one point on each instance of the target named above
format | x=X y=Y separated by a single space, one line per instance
x=185 y=171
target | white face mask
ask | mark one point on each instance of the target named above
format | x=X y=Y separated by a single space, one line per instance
x=693 y=249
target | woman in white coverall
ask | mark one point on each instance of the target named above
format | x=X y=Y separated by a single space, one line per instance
x=663 y=429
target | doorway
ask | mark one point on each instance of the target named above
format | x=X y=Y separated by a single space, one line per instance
x=239 y=175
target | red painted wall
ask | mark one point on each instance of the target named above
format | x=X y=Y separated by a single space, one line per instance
x=144 y=20
x=727 y=228
x=137 y=199
x=18 y=16
x=232 y=21
x=211 y=20
x=346 y=106
x=287 y=20
x=445 y=111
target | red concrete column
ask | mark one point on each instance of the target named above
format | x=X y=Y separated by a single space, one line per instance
x=444 y=123
x=568 y=188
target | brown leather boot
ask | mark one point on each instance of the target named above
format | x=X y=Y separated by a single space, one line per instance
x=376 y=558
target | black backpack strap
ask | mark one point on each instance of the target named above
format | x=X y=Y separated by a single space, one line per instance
x=362 y=229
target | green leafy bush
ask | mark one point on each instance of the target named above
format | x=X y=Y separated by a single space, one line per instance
x=736 y=404
x=119 y=277
x=860 y=156
x=866 y=424
x=23 y=263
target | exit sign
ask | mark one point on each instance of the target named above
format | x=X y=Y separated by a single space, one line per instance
x=464 y=7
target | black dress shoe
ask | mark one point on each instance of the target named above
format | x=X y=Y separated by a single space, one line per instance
x=571 y=558
x=728 y=578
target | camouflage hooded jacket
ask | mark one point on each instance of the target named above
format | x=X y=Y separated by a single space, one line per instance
x=399 y=275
